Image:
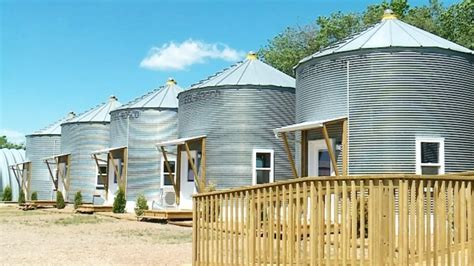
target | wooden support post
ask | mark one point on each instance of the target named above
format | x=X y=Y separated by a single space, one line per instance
x=203 y=161
x=68 y=176
x=168 y=167
x=55 y=183
x=290 y=156
x=345 y=148
x=177 y=170
x=330 y=150
x=304 y=153
x=200 y=187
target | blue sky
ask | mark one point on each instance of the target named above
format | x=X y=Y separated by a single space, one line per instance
x=61 y=56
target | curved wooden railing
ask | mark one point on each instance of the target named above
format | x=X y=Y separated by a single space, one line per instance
x=378 y=220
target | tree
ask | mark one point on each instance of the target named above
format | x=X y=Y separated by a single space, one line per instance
x=77 y=200
x=7 y=194
x=8 y=145
x=119 y=202
x=60 y=204
x=21 y=197
x=285 y=50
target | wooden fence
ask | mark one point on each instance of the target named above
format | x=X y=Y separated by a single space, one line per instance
x=378 y=220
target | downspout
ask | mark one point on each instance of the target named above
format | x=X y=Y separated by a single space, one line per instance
x=348 y=114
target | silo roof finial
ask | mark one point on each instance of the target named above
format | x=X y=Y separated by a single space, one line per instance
x=112 y=98
x=252 y=55
x=171 y=81
x=388 y=14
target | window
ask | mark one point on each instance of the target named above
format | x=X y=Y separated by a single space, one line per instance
x=101 y=174
x=165 y=174
x=429 y=156
x=324 y=163
x=262 y=166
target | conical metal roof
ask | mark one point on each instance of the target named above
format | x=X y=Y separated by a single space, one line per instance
x=99 y=113
x=390 y=32
x=163 y=97
x=54 y=128
x=249 y=72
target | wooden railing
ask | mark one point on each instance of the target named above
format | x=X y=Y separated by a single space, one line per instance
x=378 y=220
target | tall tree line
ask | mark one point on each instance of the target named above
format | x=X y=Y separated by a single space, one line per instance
x=454 y=23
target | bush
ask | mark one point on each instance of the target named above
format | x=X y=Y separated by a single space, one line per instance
x=34 y=196
x=119 y=202
x=141 y=205
x=21 y=197
x=60 y=204
x=77 y=200
x=7 y=194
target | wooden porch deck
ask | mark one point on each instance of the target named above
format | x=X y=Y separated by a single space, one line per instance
x=90 y=208
x=167 y=215
x=35 y=204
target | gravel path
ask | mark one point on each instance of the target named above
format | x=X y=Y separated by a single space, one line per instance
x=39 y=237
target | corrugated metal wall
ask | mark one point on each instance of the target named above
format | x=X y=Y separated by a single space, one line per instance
x=146 y=128
x=237 y=120
x=10 y=157
x=395 y=96
x=81 y=139
x=39 y=147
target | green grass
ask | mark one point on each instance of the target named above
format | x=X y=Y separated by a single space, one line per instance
x=162 y=235
x=78 y=219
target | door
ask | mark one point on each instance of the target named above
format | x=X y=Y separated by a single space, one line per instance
x=319 y=161
x=188 y=187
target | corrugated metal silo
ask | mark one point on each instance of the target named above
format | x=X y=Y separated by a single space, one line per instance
x=39 y=145
x=407 y=95
x=138 y=125
x=80 y=136
x=236 y=110
x=8 y=158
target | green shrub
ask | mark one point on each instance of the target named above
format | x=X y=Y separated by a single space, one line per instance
x=119 y=201
x=21 y=197
x=77 y=200
x=141 y=205
x=60 y=204
x=7 y=194
x=34 y=195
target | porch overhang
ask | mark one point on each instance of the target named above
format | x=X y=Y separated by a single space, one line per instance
x=56 y=157
x=103 y=151
x=180 y=141
x=306 y=125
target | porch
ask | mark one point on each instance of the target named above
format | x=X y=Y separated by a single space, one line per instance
x=377 y=220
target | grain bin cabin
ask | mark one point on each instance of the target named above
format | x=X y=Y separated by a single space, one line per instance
x=135 y=127
x=11 y=163
x=80 y=136
x=391 y=99
x=40 y=144
x=225 y=132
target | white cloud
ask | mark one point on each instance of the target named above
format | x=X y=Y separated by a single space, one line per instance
x=179 y=56
x=13 y=136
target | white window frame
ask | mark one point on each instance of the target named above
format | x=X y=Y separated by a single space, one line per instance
x=97 y=185
x=162 y=170
x=254 y=164
x=441 y=163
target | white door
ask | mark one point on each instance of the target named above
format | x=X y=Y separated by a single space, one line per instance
x=187 y=180
x=319 y=161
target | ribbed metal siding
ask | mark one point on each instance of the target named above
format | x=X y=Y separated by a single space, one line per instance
x=237 y=120
x=10 y=157
x=140 y=130
x=81 y=139
x=39 y=147
x=396 y=96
